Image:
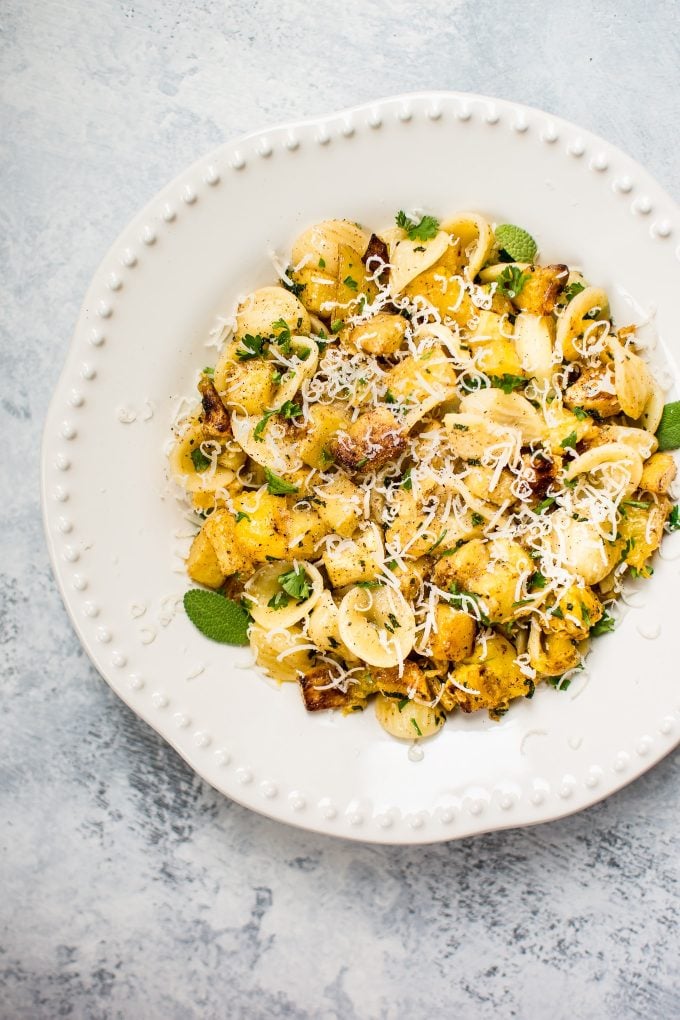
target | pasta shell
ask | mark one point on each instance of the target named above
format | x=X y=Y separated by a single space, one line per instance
x=534 y=336
x=579 y=547
x=274 y=452
x=490 y=274
x=447 y=338
x=219 y=474
x=509 y=409
x=651 y=416
x=632 y=379
x=322 y=241
x=640 y=440
x=276 y=652
x=409 y=721
x=261 y=309
x=377 y=625
x=409 y=259
x=572 y=322
x=264 y=585
x=303 y=368
x=323 y=628
x=617 y=455
x=476 y=237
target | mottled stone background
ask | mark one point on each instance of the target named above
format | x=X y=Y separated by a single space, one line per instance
x=127 y=887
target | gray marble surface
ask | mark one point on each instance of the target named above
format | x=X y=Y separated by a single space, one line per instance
x=128 y=887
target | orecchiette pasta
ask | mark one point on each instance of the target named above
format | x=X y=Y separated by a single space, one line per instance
x=422 y=473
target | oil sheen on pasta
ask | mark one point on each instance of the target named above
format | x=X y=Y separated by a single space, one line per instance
x=426 y=470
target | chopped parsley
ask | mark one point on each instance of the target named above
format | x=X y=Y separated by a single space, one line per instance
x=674 y=519
x=426 y=228
x=569 y=442
x=477 y=519
x=458 y=597
x=199 y=459
x=253 y=347
x=544 y=504
x=579 y=413
x=641 y=504
x=351 y=283
x=407 y=481
x=416 y=727
x=322 y=263
x=572 y=289
x=392 y=623
x=511 y=281
x=536 y=581
x=210 y=372
x=288 y=410
x=336 y=325
x=241 y=516
x=296 y=583
x=603 y=626
x=437 y=543
x=278 y=486
x=507 y=382
x=295 y=288
x=558 y=682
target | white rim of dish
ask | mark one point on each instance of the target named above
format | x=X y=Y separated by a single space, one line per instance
x=646 y=200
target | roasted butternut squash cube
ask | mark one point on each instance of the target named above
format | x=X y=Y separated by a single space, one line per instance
x=541 y=288
x=220 y=530
x=658 y=473
x=341 y=506
x=325 y=420
x=454 y=638
x=642 y=530
x=491 y=672
x=203 y=565
x=262 y=528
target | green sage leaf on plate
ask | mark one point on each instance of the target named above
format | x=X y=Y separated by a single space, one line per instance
x=668 y=432
x=219 y=618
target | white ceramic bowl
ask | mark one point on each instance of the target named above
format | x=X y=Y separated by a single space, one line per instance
x=114 y=532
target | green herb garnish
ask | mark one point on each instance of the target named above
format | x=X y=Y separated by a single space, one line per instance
x=641 y=504
x=569 y=443
x=508 y=383
x=572 y=289
x=426 y=228
x=668 y=432
x=511 y=281
x=518 y=244
x=278 y=486
x=544 y=504
x=253 y=347
x=296 y=583
x=199 y=459
x=293 y=287
x=603 y=626
x=558 y=682
x=217 y=617
x=437 y=543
